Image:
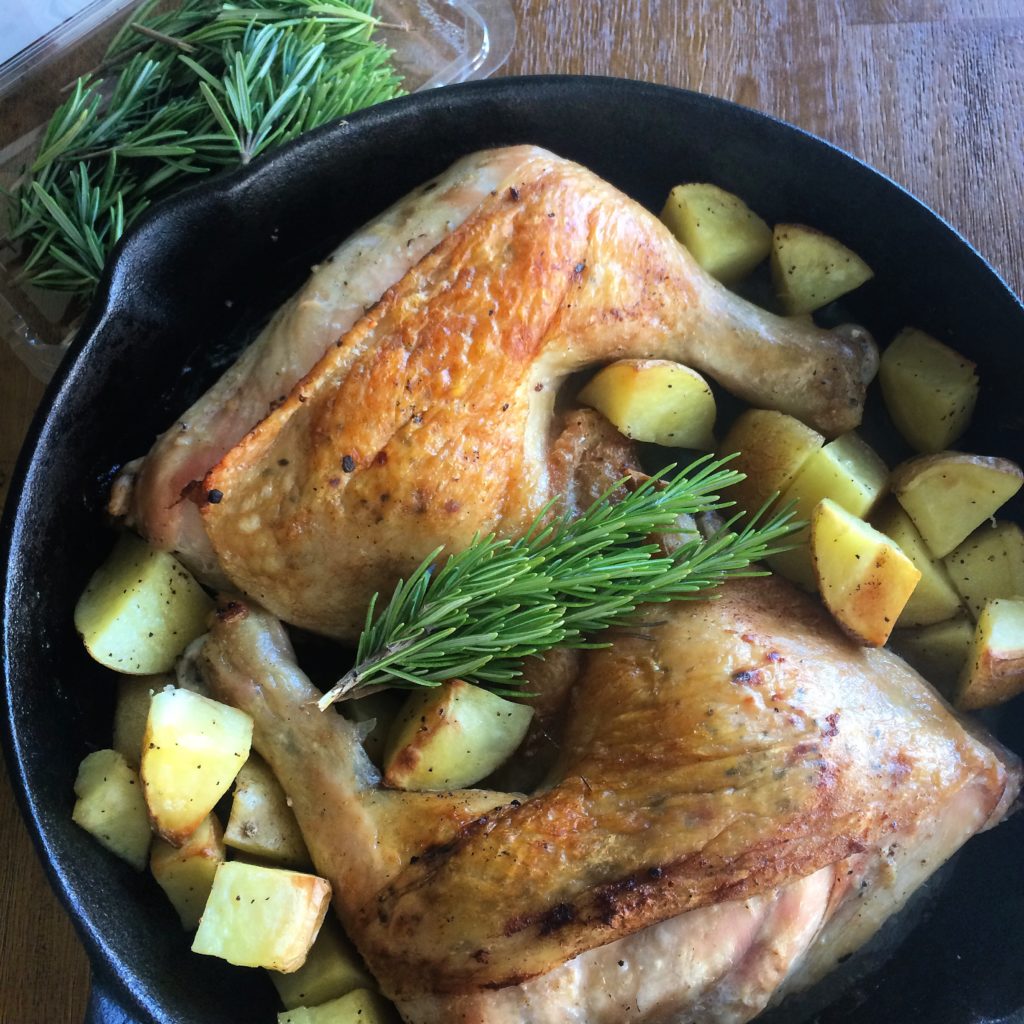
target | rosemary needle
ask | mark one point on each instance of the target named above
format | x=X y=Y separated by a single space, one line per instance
x=183 y=92
x=480 y=612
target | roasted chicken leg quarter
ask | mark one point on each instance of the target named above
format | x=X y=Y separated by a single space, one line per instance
x=742 y=797
x=428 y=420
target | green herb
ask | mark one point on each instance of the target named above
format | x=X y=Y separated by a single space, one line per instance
x=180 y=93
x=483 y=610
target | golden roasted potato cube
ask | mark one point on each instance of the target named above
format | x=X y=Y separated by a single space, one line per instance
x=929 y=390
x=848 y=471
x=989 y=564
x=110 y=806
x=938 y=652
x=934 y=599
x=951 y=494
x=333 y=968
x=192 y=751
x=654 y=400
x=810 y=269
x=864 y=578
x=722 y=233
x=773 y=448
x=261 y=823
x=131 y=711
x=362 y=1006
x=451 y=736
x=186 y=873
x=140 y=610
x=994 y=671
x=262 y=917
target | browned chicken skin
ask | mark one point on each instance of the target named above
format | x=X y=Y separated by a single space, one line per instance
x=430 y=421
x=734 y=748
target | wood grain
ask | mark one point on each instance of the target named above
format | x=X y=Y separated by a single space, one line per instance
x=928 y=91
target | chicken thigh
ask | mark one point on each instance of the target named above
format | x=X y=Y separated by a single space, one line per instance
x=430 y=421
x=734 y=777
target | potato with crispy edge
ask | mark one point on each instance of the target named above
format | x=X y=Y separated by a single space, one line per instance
x=186 y=873
x=934 y=599
x=262 y=917
x=810 y=269
x=722 y=233
x=333 y=968
x=949 y=495
x=654 y=400
x=140 y=610
x=938 y=651
x=261 y=823
x=111 y=807
x=929 y=389
x=451 y=736
x=994 y=671
x=988 y=565
x=863 y=577
x=192 y=750
x=848 y=471
x=771 y=449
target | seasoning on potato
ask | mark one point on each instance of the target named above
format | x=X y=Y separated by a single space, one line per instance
x=141 y=609
x=811 y=269
x=864 y=578
x=951 y=494
x=655 y=400
x=722 y=233
x=929 y=389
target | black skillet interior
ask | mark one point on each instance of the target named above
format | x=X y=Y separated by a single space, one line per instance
x=191 y=283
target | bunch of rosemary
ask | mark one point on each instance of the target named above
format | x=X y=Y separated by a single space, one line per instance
x=477 y=615
x=182 y=92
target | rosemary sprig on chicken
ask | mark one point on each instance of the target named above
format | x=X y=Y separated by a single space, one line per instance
x=478 y=614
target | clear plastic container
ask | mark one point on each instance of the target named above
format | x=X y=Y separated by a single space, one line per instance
x=436 y=42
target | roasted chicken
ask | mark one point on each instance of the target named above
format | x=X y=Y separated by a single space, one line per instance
x=742 y=797
x=431 y=420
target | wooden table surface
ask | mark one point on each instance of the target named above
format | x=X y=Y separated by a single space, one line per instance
x=928 y=91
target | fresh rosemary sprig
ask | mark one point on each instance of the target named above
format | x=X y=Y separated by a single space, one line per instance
x=205 y=85
x=477 y=615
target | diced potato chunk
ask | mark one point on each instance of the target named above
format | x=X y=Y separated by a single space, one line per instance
x=722 y=233
x=773 y=448
x=451 y=736
x=110 y=806
x=864 y=578
x=186 y=874
x=934 y=598
x=131 y=711
x=654 y=400
x=929 y=390
x=261 y=823
x=951 y=494
x=939 y=651
x=989 y=564
x=810 y=269
x=333 y=968
x=192 y=751
x=140 y=610
x=848 y=471
x=994 y=671
x=362 y=1006
x=262 y=917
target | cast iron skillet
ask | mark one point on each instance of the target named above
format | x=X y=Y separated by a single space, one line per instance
x=192 y=282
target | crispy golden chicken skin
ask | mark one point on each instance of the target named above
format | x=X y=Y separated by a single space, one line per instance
x=430 y=421
x=723 y=756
